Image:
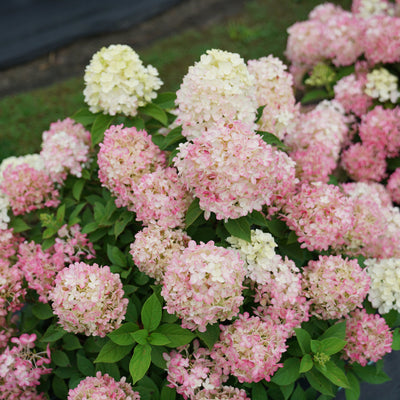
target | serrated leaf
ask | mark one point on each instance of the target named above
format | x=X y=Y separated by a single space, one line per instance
x=353 y=392
x=288 y=374
x=396 y=339
x=168 y=393
x=140 y=362
x=306 y=363
x=151 y=313
x=77 y=189
x=173 y=137
x=157 y=356
x=84 y=117
x=122 y=222
x=319 y=382
x=42 y=311
x=100 y=125
x=90 y=227
x=277 y=227
x=177 y=335
x=259 y=114
x=258 y=391
x=116 y=256
x=239 y=228
x=287 y=390
x=314 y=96
x=332 y=345
x=335 y=374
x=85 y=365
x=304 y=340
x=155 y=111
x=141 y=336
x=271 y=139
x=194 y=211
x=18 y=225
x=338 y=330
x=370 y=374
x=257 y=218
x=172 y=156
x=71 y=342
x=59 y=358
x=158 y=339
x=122 y=335
x=110 y=369
x=211 y=335
x=165 y=100
x=137 y=122
x=315 y=346
x=52 y=334
x=59 y=387
x=111 y=353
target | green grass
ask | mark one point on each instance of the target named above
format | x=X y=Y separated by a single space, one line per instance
x=260 y=30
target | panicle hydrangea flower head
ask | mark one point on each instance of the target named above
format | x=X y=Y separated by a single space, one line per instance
x=258 y=255
x=250 y=348
x=193 y=372
x=154 y=247
x=217 y=87
x=222 y=393
x=393 y=186
x=88 y=299
x=320 y=215
x=125 y=155
x=368 y=337
x=7 y=330
x=101 y=387
x=280 y=296
x=4 y=207
x=116 y=81
x=232 y=171
x=28 y=189
x=381 y=39
x=65 y=149
x=334 y=286
x=12 y=292
x=21 y=369
x=33 y=160
x=384 y=293
x=350 y=93
x=160 y=198
x=364 y=163
x=380 y=128
x=382 y=85
x=9 y=242
x=369 y=8
x=199 y=288
x=324 y=12
x=274 y=90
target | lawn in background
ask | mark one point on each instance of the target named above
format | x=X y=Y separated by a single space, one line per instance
x=260 y=30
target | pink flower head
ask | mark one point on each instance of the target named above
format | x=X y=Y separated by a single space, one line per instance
x=101 y=387
x=160 y=198
x=380 y=129
x=324 y=12
x=381 y=39
x=369 y=8
x=222 y=393
x=274 y=90
x=154 y=248
x=334 y=286
x=28 y=189
x=9 y=242
x=364 y=163
x=320 y=215
x=65 y=149
x=250 y=348
x=393 y=186
x=88 y=299
x=125 y=155
x=232 y=171
x=199 y=288
x=368 y=337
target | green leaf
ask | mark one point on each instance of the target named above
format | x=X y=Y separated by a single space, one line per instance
x=335 y=374
x=239 y=228
x=140 y=362
x=71 y=342
x=257 y=218
x=287 y=390
x=210 y=336
x=315 y=346
x=166 y=100
x=100 y=124
x=173 y=138
x=370 y=374
x=157 y=356
x=396 y=339
x=90 y=227
x=111 y=353
x=332 y=345
x=306 y=363
x=299 y=393
x=64 y=372
x=158 y=339
x=52 y=334
x=59 y=387
x=194 y=211
x=141 y=336
x=42 y=311
x=151 y=313
x=392 y=318
x=172 y=155
x=18 y=225
x=314 y=96
x=259 y=114
x=137 y=122
x=122 y=222
x=110 y=369
x=59 y=358
x=75 y=379
x=122 y=335
x=156 y=112
x=116 y=256
x=288 y=374
x=60 y=214
x=277 y=227
x=338 y=331
x=319 y=382
x=258 y=391
x=271 y=139
x=353 y=392
x=304 y=340
x=177 y=335
x=168 y=393
x=393 y=163
x=84 y=116
x=77 y=189
x=85 y=365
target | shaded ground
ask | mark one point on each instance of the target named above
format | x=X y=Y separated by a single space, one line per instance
x=70 y=61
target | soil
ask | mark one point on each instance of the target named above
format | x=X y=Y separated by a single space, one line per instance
x=70 y=61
